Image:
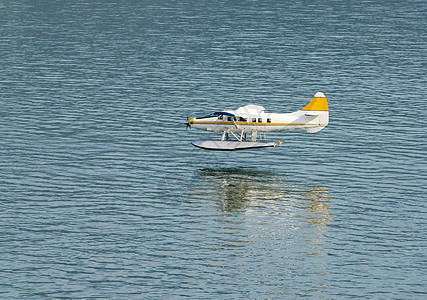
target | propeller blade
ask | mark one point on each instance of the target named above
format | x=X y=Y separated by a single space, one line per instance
x=188 y=124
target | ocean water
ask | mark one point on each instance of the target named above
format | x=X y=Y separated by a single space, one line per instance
x=103 y=196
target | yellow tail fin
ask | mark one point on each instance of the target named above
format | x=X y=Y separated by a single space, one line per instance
x=318 y=103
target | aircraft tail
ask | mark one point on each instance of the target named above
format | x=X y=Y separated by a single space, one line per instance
x=318 y=107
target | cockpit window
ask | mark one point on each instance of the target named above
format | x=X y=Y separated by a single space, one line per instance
x=243 y=119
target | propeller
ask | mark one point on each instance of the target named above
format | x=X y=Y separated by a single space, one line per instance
x=188 y=124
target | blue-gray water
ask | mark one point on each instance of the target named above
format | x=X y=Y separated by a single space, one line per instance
x=103 y=196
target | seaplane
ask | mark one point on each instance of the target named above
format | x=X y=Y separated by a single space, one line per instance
x=235 y=125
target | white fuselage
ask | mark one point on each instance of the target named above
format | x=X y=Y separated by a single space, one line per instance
x=252 y=118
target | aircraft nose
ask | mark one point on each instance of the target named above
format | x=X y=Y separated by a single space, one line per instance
x=189 y=122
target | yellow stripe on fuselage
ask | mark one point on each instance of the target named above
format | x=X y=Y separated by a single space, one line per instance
x=255 y=123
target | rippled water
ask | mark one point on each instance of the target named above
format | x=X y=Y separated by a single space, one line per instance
x=103 y=196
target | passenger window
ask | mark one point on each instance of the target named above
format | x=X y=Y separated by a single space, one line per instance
x=253 y=120
x=259 y=120
x=243 y=119
x=268 y=120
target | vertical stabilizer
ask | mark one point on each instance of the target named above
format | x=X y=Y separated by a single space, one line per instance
x=318 y=106
x=318 y=103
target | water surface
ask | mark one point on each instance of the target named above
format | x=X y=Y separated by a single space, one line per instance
x=103 y=196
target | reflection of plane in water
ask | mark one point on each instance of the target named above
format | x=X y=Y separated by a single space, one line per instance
x=270 y=218
x=318 y=216
x=256 y=192
x=239 y=187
